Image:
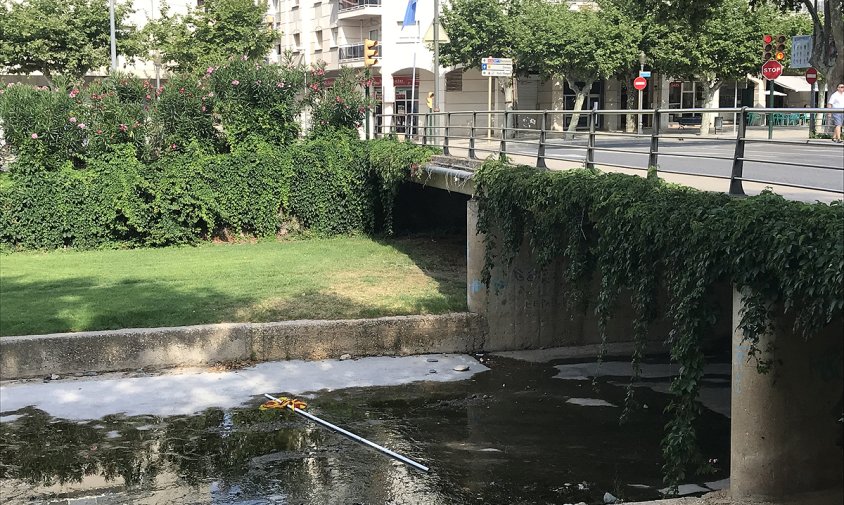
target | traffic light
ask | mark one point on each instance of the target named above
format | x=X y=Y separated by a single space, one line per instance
x=370 y=52
x=767 y=47
x=779 y=48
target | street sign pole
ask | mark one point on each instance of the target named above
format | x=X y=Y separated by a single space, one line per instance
x=771 y=106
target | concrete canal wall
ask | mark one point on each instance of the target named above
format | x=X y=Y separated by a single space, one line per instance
x=99 y=351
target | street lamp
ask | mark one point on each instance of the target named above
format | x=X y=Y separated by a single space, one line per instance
x=113 y=37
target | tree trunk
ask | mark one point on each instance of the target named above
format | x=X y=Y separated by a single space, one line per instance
x=632 y=101
x=710 y=89
x=48 y=76
x=580 y=96
x=509 y=101
x=828 y=42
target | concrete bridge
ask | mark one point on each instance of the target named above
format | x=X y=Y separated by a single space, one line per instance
x=786 y=435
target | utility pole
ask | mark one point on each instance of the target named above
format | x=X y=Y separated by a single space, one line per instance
x=113 y=36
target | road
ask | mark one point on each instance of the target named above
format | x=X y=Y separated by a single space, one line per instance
x=704 y=162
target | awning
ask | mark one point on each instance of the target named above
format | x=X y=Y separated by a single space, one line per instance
x=794 y=83
x=776 y=93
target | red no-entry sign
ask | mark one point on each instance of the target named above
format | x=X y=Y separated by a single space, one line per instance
x=811 y=75
x=640 y=83
x=771 y=70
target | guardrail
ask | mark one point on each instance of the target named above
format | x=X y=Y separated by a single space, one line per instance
x=540 y=134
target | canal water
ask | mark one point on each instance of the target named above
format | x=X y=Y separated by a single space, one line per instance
x=518 y=432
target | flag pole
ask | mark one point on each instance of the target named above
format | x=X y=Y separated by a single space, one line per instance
x=354 y=437
x=413 y=83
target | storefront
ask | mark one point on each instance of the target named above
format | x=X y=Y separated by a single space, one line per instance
x=407 y=103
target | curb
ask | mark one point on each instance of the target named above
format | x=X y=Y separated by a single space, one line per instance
x=113 y=350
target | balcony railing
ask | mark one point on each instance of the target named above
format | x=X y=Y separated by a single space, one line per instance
x=350 y=5
x=354 y=52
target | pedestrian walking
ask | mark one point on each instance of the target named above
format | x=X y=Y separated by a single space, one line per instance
x=836 y=100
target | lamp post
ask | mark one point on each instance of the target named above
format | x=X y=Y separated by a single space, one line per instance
x=642 y=60
x=113 y=36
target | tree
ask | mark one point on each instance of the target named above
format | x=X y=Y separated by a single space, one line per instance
x=827 y=36
x=70 y=37
x=481 y=28
x=724 y=46
x=582 y=46
x=211 y=34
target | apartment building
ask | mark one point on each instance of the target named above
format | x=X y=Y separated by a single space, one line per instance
x=333 y=31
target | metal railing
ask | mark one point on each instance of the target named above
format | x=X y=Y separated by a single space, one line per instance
x=350 y=5
x=545 y=136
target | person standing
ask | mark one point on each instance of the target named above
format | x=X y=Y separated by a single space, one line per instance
x=836 y=100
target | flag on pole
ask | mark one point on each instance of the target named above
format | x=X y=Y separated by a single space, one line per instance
x=409 y=14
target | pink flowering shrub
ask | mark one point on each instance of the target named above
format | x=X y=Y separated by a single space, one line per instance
x=339 y=105
x=35 y=125
x=258 y=101
x=183 y=114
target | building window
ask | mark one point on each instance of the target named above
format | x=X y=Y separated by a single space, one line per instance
x=454 y=80
x=297 y=41
x=318 y=41
x=334 y=35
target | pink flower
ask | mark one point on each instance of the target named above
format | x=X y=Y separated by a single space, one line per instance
x=99 y=132
x=148 y=97
x=235 y=82
x=209 y=70
x=338 y=99
x=73 y=93
x=34 y=135
x=81 y=126
x=173 y=146
x=72 y=119
x=244 y=57
x=203 y=108
x=181 y=91
x=279 y=85
x=123 y=127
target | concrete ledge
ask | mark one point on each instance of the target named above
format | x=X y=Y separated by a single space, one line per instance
x=101 y=351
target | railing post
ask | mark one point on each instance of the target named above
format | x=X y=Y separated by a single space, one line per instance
x=540 y=153
x=590 y=145
x=653 y=156
x=425 y=131
x=472 y=155
x=502 y=149
x=738 y=158
x=445 y=137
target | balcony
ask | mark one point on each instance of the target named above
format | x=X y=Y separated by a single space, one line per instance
x=358 y=9
x=352 y=54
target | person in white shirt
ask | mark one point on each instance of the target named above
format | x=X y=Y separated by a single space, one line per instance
x=836 y=100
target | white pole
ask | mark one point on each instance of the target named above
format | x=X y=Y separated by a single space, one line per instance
x=413 y=84
x=354 y=437
x=489 y=108
x=113 y=36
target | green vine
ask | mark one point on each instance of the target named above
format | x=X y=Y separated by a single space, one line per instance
x=641 y=235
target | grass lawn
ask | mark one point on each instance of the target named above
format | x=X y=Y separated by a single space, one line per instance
x=337 y=278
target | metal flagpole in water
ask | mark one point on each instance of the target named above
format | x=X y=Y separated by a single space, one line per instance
x=290 y=404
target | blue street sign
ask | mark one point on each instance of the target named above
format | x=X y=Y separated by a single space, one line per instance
x=645 y=73
x=483 y=66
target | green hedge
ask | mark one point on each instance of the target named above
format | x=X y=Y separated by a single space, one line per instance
x=329 y=185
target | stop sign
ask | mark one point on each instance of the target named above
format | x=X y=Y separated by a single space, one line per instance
x=771 y=70
x=811 y=75
x=640 y=83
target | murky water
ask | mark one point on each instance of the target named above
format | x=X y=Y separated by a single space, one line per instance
x=507 y=435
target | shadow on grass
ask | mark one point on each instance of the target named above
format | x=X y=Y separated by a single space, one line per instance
x=442 y=257
x=84 y=304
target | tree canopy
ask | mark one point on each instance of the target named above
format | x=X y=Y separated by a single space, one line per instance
x=69 y=38
x=211 y=34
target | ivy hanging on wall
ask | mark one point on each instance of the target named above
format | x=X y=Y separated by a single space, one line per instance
x=638 y=234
